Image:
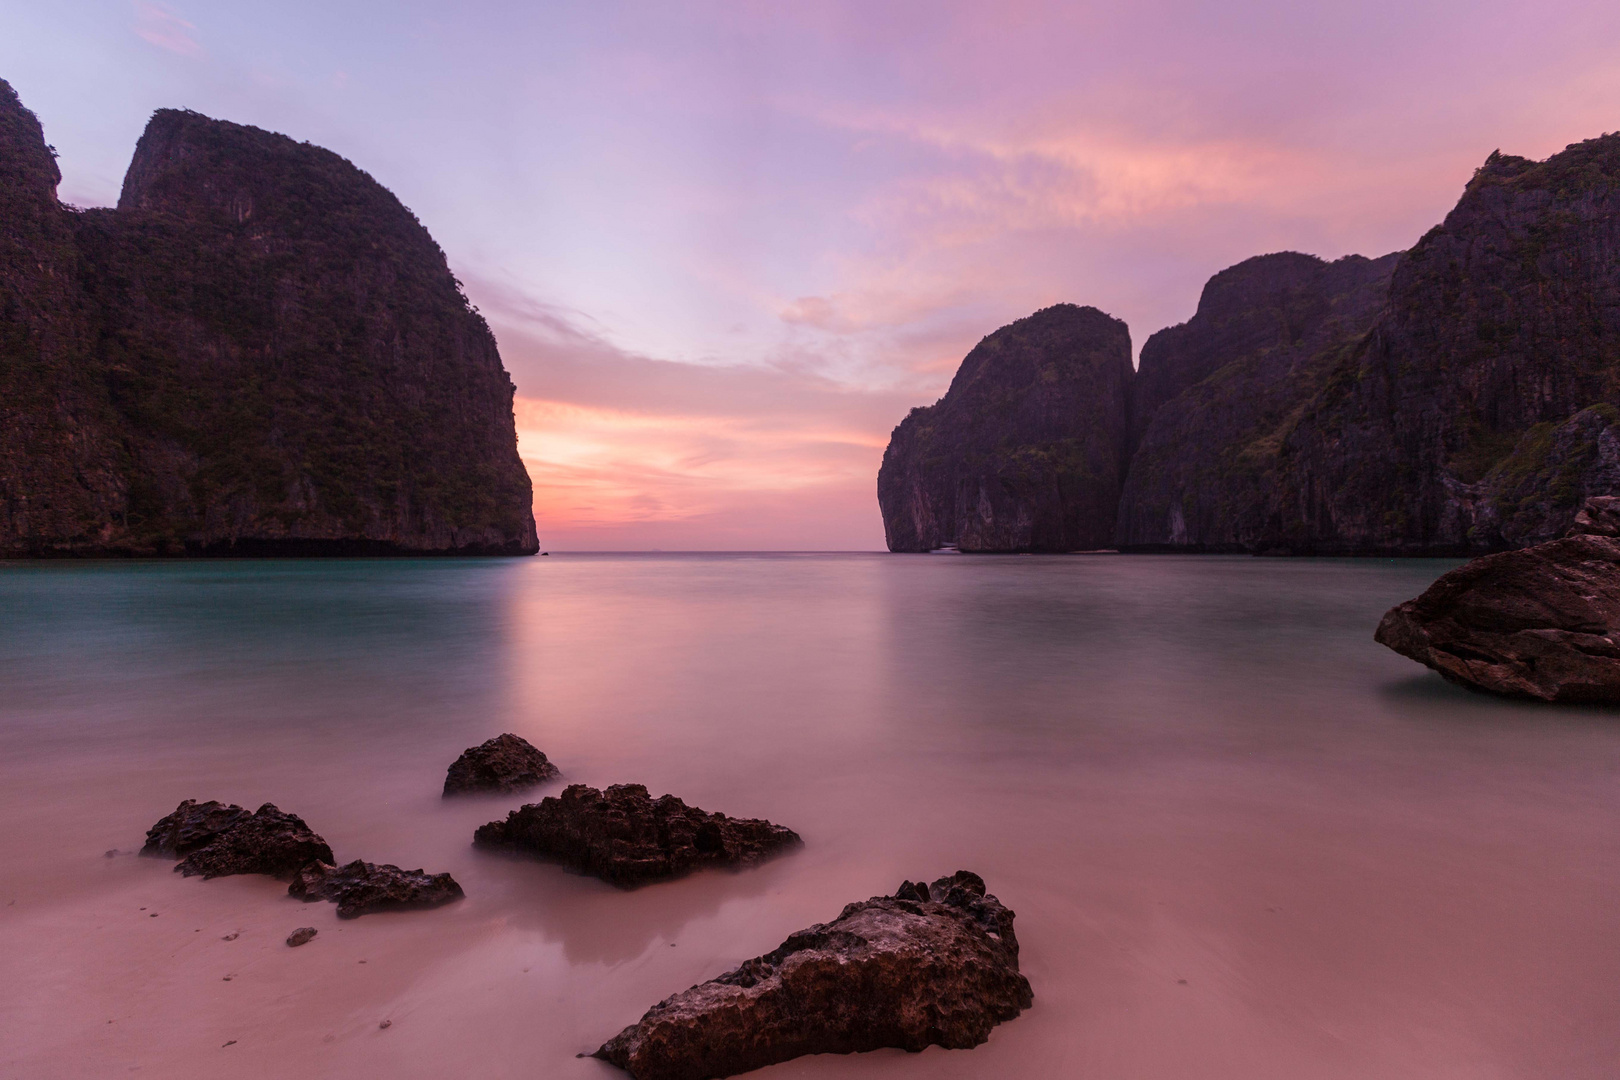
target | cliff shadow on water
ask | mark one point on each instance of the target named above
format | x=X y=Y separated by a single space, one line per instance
x=1454 y=399
x=260 y=351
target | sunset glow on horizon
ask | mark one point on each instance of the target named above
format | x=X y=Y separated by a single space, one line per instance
x=726 y=246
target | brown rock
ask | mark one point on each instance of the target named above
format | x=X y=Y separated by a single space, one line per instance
x=625 y=837
x=268 y=842
x=932 y=965
x=1540 y=623
x=302 y=936
x=359 y=888
x=191 y=826
x=505 y=763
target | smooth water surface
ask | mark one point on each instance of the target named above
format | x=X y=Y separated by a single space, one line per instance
x=1242 y=840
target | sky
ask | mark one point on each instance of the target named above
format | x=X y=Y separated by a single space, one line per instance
x=726 y=246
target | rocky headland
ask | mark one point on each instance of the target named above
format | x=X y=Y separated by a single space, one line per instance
x=1458 y=398
x=1026 y=450
x=932 y=965
x=627 y=838
x=260 y=351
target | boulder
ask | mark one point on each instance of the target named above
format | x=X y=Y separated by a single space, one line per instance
x=627 y=838
x=191 y=826
x=359 y=888
x=302 y=936
x=266 y=842
x=1540 y=623
x=931 y=965
x=505 y=764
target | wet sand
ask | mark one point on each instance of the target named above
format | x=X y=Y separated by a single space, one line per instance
x=1242 y=840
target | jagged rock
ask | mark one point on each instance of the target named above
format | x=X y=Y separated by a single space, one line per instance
x=359 y=888
x=191 y=826
x=1440 y=434
x=505 y=763
x=1026 y=450
x=1600 y=516
x=1542 y=622
x=267 y=842
x=259 y=351
x=1215 y=395
x=625 y=837
x=302 y=936
x=932 y=965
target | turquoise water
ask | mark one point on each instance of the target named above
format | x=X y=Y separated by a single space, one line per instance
x=1242 y=839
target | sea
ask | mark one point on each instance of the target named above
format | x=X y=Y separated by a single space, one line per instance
x=1242 y=839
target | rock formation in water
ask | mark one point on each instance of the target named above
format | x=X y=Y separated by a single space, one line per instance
x=1214 y=397
x=1026 y=450
x=627 y=838
x=359 y=888
x=260 y=351
x=1458 y=398
x=932 y=965
x=503 y=764
x=1540 y=623
x=217 y=840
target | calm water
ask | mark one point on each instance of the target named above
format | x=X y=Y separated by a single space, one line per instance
x=1243 y=841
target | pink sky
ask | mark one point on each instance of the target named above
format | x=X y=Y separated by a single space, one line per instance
x=726 y=246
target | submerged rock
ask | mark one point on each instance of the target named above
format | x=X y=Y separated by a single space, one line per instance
x=505 y=763
x=625 y=837
x=1541 y=623
x=359 y=888
x=266 y=842
x=932 y=965
x=191 y=826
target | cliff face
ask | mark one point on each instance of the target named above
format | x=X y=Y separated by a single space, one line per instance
x=1026 y=450
x=1479 y=412
x=1215 y=396
x=260 y=351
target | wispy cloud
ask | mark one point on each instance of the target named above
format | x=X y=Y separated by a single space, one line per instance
x=158 y=25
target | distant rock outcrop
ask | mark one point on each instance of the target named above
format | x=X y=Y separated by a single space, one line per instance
x=932 y=965
x=504 y=764
x=1479 y=411
x=1215 y=396
x=1458 y=398
x=260 y=351
x=1026 y=450
x=627 y=838
x=1540 y=623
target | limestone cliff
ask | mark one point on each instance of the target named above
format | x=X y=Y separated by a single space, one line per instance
x=1479 y=411
x=260 y=351
x=1026 y=450
x=1214 y=396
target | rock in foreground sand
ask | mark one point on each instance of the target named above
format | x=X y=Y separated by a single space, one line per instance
x=1541 y=623
x=505 y=763
x=359 y=887
x=627 y=838
x=932 y=965
x=219 y=839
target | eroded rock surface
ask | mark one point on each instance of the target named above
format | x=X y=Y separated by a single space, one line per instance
x=1026 y=450
x=932 y=965
x=359 y=888
x=1541 y=623
x=505 y=763
x=264 y=842
x=192 y=825
x=626 y=837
